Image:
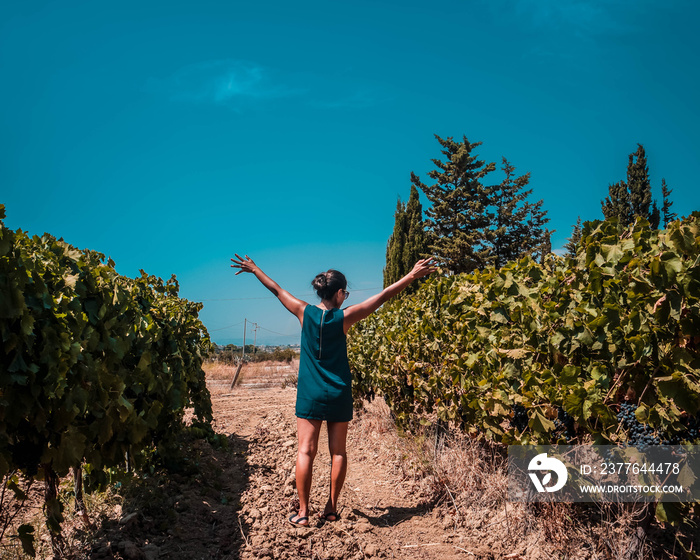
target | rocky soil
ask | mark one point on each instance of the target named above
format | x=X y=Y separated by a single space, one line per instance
x=235 y=502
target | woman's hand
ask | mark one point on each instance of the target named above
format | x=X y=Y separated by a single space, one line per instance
x=422 y=268
x=296 y=306
x=245 y=264
x=356 y=313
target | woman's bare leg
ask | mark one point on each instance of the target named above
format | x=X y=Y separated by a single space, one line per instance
x=307 y=434
x=337 y=437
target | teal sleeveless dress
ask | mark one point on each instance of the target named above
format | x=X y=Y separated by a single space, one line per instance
x=324 y=388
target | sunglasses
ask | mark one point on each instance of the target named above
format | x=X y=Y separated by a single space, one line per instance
x=346 y=294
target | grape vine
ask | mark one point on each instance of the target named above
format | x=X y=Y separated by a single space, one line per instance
x=95 y=365
x=540 y=353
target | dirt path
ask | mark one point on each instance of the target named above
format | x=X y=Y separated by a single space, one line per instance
x=234 y=502
x=381 y=516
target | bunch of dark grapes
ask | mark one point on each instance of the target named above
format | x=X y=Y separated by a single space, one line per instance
x=690 y=432
x=564 y=425
x=638 y=435
x=626 y=415
x=693 y=429
x=519 y=419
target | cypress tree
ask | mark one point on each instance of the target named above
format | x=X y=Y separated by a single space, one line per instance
x=654 y=216
x=407 y=242
x=666 y=207
x=415 y=247
x=632 y=199
x=617 y=203
x=395 y=245
x=458 y=216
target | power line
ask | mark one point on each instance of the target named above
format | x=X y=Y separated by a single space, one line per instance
x=273 y=297
x=252 y=323
x=267 y=297
x=234 y=299
x=222 y=328
x=258 y=326
x=275 y=332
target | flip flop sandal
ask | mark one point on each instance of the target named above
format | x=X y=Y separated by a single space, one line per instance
x=296 y=523
x=333 y=513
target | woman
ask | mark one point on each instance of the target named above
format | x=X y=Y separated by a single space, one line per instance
x=324 y=385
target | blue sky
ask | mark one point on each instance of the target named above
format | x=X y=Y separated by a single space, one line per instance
x=169 y=135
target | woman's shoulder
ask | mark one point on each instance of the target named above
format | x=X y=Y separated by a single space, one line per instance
x=338 y=315
x=308 y=308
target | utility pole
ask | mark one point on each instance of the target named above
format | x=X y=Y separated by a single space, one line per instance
x=255 y=338
x=245 y=328
x=240 y=365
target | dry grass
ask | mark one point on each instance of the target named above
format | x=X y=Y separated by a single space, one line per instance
x=269 y=370
x=447 y=464
x=466 y=480
x=77 y=528
x=220 y=375
x=218 y=371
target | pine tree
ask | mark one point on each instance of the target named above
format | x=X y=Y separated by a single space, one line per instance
x=573 y=241
x=458 y=216
x=519 y=225
x=471 y=225
x=666 y=207
x=407 y=242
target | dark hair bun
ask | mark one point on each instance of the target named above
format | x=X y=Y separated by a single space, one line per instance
x=320 y=281
x=328 y=283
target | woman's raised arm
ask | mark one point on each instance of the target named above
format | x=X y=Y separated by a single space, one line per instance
x=294 y=305
x=356 y=313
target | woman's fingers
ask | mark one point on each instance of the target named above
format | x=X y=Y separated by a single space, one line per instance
x=245 y=264
x=425 y=266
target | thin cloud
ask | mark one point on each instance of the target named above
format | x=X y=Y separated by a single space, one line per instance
x=234 y=83
x=223 y=82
